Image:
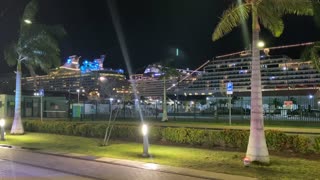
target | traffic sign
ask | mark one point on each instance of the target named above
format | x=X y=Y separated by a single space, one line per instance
x=41 y=92
x=229 y=88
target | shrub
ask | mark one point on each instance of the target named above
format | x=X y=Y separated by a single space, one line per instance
x=230 y=138
x=235 y=138
x=174 y=135
x=316 y=144
x=300 y=144
x=276 y=140
x=196 y=136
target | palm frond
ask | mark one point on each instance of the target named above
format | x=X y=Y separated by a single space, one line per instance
x=316 y=16
x=230 y=19
x=10 y=54
x=270 y=19
x=29 y=13
x=311 y=53
x=297 y=7
x=38 y=43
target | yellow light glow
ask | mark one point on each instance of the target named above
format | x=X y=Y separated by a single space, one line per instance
x=28 y=21
x=2 y=122
x=144 y=129
x=261 y=44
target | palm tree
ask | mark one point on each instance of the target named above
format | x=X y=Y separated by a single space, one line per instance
x=36 y=47
x=167 y=72
x=268 y=13
x=311 y=53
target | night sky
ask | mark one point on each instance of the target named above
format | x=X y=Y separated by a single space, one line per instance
x=152 y=29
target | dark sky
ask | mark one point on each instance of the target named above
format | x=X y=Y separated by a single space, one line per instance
x=152 y=29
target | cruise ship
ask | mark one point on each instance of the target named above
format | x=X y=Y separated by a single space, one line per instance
x=88 y=78
x=149 y=83
x=278 y=74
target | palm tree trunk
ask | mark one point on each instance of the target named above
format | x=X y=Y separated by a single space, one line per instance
x=164 y=102
x=257 y=148
x=17 y=127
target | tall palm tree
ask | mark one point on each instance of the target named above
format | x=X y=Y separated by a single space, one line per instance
x=268 y=13
x=36 y=47
x=167 y=72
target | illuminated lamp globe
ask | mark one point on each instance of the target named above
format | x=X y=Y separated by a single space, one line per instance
x=260 y=44
x=2 y=122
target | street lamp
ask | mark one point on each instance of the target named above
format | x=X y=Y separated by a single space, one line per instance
x=40 y=94
x=260 y=44
x=28 y=21
x=145 y=140
x=78 y=91
x=111 y=99
x=157 y=108
x=2 y=123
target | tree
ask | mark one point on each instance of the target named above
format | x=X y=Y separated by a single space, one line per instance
x=268 y=13
x=311 y=53
x=36 y=47
x=167 y=72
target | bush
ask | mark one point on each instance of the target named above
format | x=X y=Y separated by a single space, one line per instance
x=300 y=144
x=276 y=140
x=196 y=136
x=316 y=144
x=229 y=138
x=235 y=138
x=174 y=135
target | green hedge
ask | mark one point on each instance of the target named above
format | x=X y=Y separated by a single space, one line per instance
x=228 y=138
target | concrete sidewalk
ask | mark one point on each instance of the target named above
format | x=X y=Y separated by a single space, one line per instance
x=106 y=168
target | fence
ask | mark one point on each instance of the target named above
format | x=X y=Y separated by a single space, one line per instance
x=303 y=109
x=300 y=110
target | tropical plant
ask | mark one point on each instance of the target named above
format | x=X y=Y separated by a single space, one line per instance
x=36 y=47
x=311 y=53
x=268 y=13
x=167 y=71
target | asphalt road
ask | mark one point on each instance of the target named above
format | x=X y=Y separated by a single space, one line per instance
x=21 y=164
x=15 y=171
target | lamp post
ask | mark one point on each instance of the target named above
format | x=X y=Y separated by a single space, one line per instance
x=261 y=44
x=145 y=140
x=2 y=123
x=40 y=94
x=78 y=91
x=111 y=99
x=157 y=108
x=27 y=21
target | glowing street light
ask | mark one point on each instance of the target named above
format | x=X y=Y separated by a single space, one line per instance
x=40 y=94
x=78 y=91
x=144 y=130
x=101 y=78
x=260 y=44
x=2 y=123
x=28 y=21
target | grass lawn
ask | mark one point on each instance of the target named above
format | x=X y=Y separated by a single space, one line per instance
x=210 y=160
